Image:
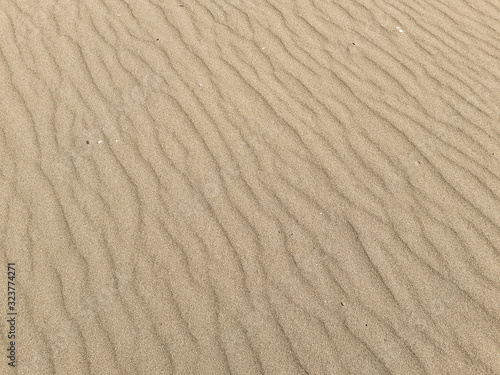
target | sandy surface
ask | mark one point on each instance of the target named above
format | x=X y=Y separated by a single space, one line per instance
x=250 y=187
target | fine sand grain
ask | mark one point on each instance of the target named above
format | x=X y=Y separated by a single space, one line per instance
x=250 y=187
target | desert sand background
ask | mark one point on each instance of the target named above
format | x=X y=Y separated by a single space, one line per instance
x=251 y=187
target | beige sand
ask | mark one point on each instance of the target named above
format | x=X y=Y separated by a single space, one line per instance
x=251 y=187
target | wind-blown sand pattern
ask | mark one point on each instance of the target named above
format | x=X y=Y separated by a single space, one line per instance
x=251 y=187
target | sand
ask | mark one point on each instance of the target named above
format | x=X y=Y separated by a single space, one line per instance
x=250 y=187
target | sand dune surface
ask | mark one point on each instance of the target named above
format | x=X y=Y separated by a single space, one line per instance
x=250 y=187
